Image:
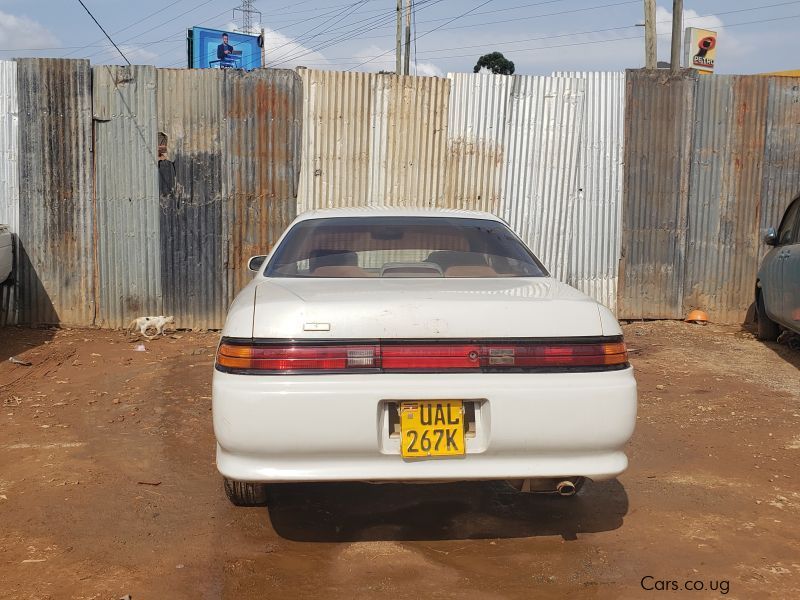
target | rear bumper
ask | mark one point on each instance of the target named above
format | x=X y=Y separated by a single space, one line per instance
x=335 y=427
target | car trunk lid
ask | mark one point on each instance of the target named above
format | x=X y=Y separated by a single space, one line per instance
x=394 y=308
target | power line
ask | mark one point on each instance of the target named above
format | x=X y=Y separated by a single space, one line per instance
x=626 y=38
x=349 y=34
x=294 y=6
x=552 y=14
x=450 y=20
x=298 y=39
x=353 y=33
x=665 y=21
x=181 y=36
x=594 y=42
x=145 y=18
x=392 y=13
x=620 y=39
x=125 y=41
x=347 y=11
x=417 y=36
x=104 y=32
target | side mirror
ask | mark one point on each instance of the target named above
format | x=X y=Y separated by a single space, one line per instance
x=771 y=237
x=255 y=262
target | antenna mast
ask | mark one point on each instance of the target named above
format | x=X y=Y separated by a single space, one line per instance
x=248 y=18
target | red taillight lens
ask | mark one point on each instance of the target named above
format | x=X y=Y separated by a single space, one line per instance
x=297 y=358
x=434 y=356
x=429 y=356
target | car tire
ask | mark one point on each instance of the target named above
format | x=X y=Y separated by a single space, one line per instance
x=246 y=493
x=768 y=329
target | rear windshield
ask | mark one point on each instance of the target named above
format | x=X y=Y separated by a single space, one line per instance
x=360 y=247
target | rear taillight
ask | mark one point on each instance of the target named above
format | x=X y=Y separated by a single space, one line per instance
x=417 y=356
x=430 y=356
x=296 y=358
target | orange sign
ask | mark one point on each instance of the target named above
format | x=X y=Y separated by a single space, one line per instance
x=700 y=48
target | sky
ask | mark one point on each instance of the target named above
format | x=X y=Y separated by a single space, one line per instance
x=539 y=36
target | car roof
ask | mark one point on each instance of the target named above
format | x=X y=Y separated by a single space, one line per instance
x=386 y=211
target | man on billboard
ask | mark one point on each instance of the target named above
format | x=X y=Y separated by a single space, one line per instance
x=217 y=49
x=224 y=51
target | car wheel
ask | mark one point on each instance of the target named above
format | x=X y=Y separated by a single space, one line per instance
x=768 y=329
x=246 y=493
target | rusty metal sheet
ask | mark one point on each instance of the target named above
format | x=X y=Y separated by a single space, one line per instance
x=57 y=250
x=261 y=178
x=725 y=195
x=659 y=115
x=227 y=184
x=694 y=219
x=372 y=140
x=126 y=191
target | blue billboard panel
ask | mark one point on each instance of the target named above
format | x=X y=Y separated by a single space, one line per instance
x=216 y=49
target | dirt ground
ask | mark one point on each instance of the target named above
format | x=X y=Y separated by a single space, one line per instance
x=108 y=488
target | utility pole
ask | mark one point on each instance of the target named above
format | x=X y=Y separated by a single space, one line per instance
x=650 y=56
x=408 y=37
x=398 y=53
x=677 y=29
x=263 y=49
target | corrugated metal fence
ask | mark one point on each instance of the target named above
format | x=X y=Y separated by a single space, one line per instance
x=542 y=152
x=135 y=190
x=212 y=161
x=211 y=179
x=143 y=190
x=710 y=163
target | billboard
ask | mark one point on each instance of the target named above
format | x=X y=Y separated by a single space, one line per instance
x=701 y=49
x=217 y=49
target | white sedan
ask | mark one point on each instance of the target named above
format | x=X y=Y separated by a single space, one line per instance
x=416 y=345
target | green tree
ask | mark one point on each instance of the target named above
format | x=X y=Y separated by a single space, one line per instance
x=496 y=63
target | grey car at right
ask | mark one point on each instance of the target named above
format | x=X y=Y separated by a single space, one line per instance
x=778 y=283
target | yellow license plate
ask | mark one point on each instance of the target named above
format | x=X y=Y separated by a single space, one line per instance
x=431 y=428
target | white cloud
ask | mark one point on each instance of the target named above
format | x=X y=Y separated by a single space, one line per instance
x=138 y=55
x=386 y=62
x=427 y=69
x=24 y=33
x=284 y=52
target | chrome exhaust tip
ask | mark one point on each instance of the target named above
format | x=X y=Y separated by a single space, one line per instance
x=566 y=488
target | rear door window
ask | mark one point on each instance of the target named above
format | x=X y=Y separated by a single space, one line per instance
x=362 y=247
